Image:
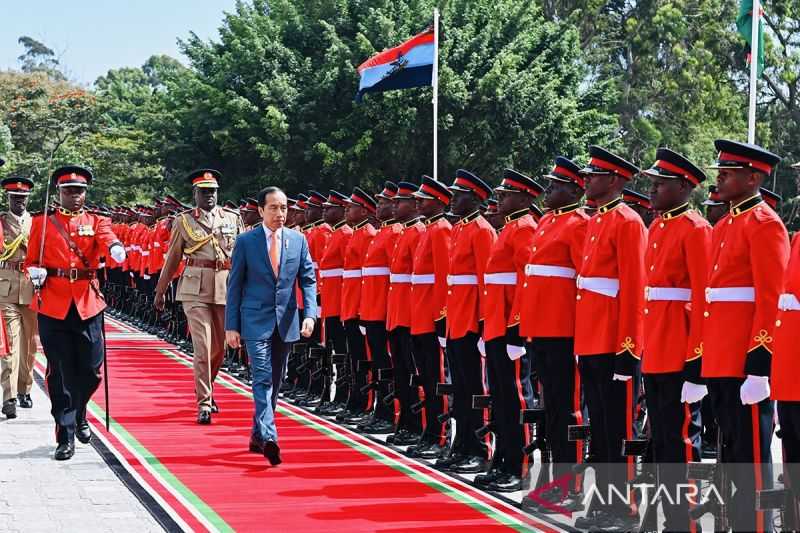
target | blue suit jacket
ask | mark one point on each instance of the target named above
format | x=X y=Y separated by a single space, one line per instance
x=257 y=303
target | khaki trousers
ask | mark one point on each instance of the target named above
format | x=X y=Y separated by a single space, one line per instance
x=207 y=327
x=16 y=370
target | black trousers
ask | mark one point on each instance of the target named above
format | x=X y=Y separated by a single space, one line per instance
x=404 y=393
x=554 y=360
x=789 y=418
x=466 y=373
x=336 y=340
x=511 y=390
x=430 y=360
x=378 y=343
x=746 y=432
x=675 y=439
x=610 y=406
x=357 y=352
x=74 y=351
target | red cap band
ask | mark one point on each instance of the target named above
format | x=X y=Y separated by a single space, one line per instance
x=439 y=195
x=483 y=195
x=606 y=165
x=675 y=169
x=760 y=165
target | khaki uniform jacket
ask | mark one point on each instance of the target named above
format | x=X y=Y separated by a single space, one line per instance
x=15 y=286
x=207 y=236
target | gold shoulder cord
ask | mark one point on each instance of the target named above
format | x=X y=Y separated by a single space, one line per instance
x=12 y=247
x=199 y=241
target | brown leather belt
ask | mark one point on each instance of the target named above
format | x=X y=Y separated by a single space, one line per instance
x=209 y=263
x=72 y=274
x=17 y=266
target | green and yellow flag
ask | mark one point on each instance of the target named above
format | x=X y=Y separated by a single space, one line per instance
x=744 y=23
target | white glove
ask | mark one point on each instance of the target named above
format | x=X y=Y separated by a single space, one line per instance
x=515 y=352
x=620 y=377
x=118 y=253
x=38 y=275
x=754 y=389
x=692 y=392
x=363 y=330
x=442 y=342
x=482 y=347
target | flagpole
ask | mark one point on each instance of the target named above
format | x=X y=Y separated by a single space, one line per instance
x=751 y=115
x=435 y=83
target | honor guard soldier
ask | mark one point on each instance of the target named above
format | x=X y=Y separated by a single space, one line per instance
x=399 y=312
x=359 y=207
x=331 y=268
x=676 y=265
x=372 y=310
x=16 y=291
x=547 y=319
x=640 y=203
x=299 y=211
x=63 y=254
x=715 y=207
x=608 y=326
x=205 y=235
x=429 y=320
x=508 y=367
x=249 y=212
x=472 y=242
x=785 y=368
x=749 y=254
x=772 y=199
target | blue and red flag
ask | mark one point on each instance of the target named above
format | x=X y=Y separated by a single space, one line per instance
x=407 y=65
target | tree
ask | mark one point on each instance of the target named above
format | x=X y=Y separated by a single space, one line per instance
x=39 y=58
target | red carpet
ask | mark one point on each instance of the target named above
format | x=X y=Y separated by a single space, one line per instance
x=331 y=479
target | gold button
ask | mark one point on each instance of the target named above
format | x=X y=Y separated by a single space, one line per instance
x=534 y=248
x=485 y=293
x=72 y=234
x=578 y=297
x=730 y=221
x=777 y=323
x=592 y=239
x=598 y=220
x=655 y=245
x=449 y=292
x=722 y=244
x=716 y=267
x=585 y=258
x=661 y=225
x=391 y=289
x=541 y=233
x=705 y=314
x=646 y=311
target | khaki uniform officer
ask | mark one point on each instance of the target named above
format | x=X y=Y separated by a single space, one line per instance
x=16 y=291
x=205 y=235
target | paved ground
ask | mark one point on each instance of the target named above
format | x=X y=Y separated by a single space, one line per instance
x=38 y=493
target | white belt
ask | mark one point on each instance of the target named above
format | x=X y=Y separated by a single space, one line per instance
x=605 y=286
x=788 y=302
x=127 y=248
x=400 y=278
x=730 y=294
x=351 y=273
x=462 y=279
x=423 y=279
x=136 y=247
x=375 y=271
x=549 y=271
x=652 y=294
x=315 y=265
x=156 y=245
x=145 y=254
x=331 y=273
x=500 y=278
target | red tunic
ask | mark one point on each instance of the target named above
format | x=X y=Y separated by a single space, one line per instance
x=749 y=249
x=398 y=308
x=318 y=236
x=119 y=231
x=472 y=241
x=786 y=357
x=547 y=303
x=375 y=273
x=93 y=236
x=353 y=261
x=431 y=259
x=614 y=248
x=676 y=257
x=506 y=266
x=159 y=244
x=331 y=267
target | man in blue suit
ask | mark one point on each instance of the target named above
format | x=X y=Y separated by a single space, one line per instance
x=261 y=311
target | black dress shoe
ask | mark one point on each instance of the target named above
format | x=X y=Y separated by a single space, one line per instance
x=272 y=452
x=377 y=427
x=256 y=445
x=405 y=438
x=449 y=460
x=83 y=432
x=214 y=406
x=10 y=408
x=471 y=464
x=204 y=417
x=484 y=480
x=65 y=451
x=434 y=451
x=356 y=418
x=509 y=483
x=24 y=401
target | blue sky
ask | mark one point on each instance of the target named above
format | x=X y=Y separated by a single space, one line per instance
x=92 y=36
